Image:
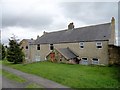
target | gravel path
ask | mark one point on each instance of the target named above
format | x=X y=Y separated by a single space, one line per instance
x=34 y=79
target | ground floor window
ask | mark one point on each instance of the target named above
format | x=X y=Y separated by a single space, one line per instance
x=37 y=58
x=95 y=61
x=26 y=55
x=60 y=59
x=84 y=61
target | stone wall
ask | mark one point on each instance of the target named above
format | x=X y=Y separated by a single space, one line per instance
x=89 y=51
x=114 y=54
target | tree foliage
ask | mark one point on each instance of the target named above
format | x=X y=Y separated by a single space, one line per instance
x=3 y=52
x=14 y=52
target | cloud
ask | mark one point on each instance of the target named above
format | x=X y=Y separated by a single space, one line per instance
x=20 y=33
x=27 y=21
x=27 y=14
x=90 y=12
x=28 y=18
x=36 y=13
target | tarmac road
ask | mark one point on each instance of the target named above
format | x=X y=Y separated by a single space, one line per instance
x=34 y=79
x=0 y=82
x=6 y=83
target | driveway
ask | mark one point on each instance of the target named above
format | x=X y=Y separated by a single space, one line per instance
x=6 y=83
x=32 y=78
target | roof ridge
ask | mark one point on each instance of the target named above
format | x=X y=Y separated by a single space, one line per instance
x=93 y=25
x=56 y=31
x=29 y=39
x=79 y=27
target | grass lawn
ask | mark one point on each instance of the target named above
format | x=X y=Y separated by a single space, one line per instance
x=74 y=76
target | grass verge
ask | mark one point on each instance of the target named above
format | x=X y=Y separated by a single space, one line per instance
x=13 y=77
x=0 y=72
x=33 y=85
x=74 y=76
x=0 y=61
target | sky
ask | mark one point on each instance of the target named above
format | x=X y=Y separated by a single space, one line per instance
x=28 y=18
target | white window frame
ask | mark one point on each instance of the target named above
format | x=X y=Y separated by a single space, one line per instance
x=84 y=62
x=49 y=47
x=81 y=44
x=39 y=47
x=100 y=44
x=26 y=47
x=95 y=62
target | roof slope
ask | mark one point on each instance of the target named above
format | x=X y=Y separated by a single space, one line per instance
x=89 y=33
x=67 y=53
x=30 y=41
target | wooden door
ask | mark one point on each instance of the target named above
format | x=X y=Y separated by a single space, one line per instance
x=52 y=56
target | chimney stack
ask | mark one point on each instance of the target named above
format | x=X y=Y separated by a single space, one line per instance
x=44 y=33
x=112 y=38
x=71 y=26
x=37 y=36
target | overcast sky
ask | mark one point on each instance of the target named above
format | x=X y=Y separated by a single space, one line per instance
x=29 y=18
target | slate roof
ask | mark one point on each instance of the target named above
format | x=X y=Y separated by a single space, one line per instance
x=30 y=41
x=67 y=53
x=88 y=33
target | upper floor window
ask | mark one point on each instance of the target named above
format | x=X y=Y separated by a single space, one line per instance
x=51 y=47
x=95 y=61
x=38 y=47
x=82 y=45
x=99 y=45
x=26 y=47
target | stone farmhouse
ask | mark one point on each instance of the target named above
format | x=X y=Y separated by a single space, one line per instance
x=84 y=45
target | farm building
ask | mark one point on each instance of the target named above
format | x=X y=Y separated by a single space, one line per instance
x=93 y=44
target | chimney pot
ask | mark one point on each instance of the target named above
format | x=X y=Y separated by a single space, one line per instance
x=71 y=26
x=113 y=20
x=37 y=36
x=44 y=33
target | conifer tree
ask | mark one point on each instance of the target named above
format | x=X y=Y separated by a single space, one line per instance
x=14 y=52
x=3 y=52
